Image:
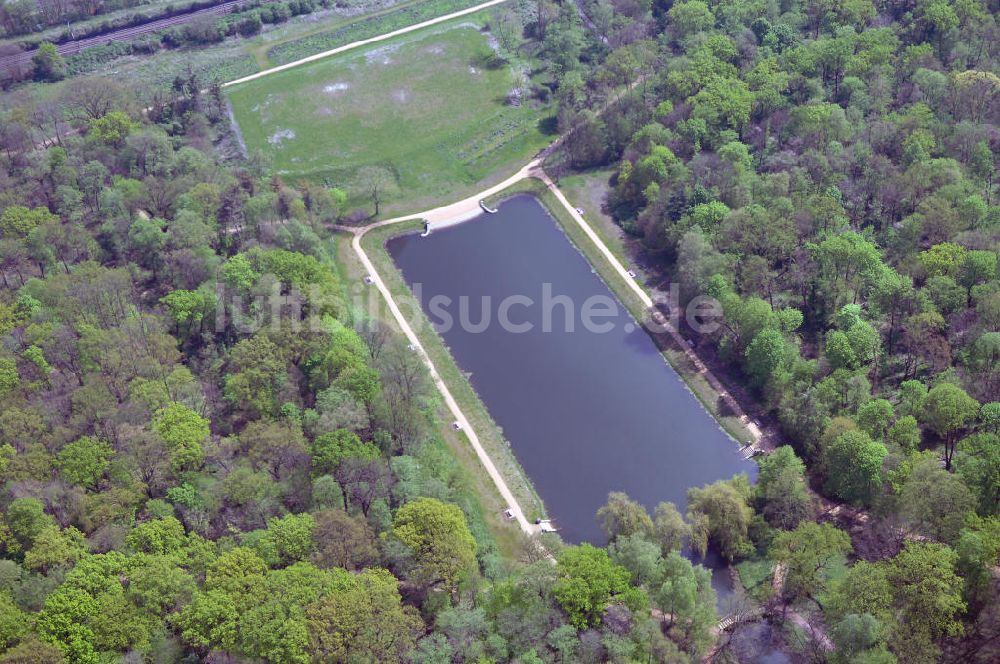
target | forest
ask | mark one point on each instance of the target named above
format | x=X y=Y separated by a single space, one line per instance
x=209 y=453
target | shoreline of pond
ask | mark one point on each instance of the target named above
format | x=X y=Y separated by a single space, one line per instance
x=666 y=372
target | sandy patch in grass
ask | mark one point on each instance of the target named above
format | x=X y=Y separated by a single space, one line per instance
x=401 y=95
x=381 y=54
x=334 y=88
x=281 y=135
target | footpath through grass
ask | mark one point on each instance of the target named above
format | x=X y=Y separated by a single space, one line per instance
x=419 y=117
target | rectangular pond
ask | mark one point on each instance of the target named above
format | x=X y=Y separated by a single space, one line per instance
x=579 y=389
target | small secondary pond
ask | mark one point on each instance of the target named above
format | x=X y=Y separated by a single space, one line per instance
x=588 y=409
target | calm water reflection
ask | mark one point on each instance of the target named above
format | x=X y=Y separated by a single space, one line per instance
x=585 y=412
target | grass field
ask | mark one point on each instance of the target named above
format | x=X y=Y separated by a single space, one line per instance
x=425 y=115
x=279 y=46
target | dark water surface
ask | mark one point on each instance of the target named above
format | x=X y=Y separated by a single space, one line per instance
x=586 y=412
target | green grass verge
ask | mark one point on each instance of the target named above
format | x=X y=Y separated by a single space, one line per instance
x=587 y=190
x=381 y=114
x=372 y=25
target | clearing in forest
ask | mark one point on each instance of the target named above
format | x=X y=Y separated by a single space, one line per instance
x=420 y=117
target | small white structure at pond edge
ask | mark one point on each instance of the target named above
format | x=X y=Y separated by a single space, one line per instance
x=545 y=525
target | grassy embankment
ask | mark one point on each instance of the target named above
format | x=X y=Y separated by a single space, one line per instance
x=277 y=47
x=374 y=115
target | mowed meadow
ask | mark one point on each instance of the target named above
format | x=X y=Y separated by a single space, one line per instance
x=422 y=117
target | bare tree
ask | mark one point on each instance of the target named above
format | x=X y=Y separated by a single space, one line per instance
x=48 y=118
x=375 y=334
x=91 y=98
x=377 y=182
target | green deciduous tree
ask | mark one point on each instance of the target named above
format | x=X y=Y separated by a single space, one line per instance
x=720 y=514
x=288 y=539
x=210 y=620
x=636 y=554
x=48 y=64
x=621 y=516
x=685 y=595
x=275 y=633
x=781 y=489
x=53 y=547
x=184 y=431
x=366 y=622
x=905 y=434
x=329 y=451
x=588 y=582
x=157 y=537
x=669 y=528
x=439 y=539
x=159 y=585
x=18 y=221
x=112 y=128
x=240 y=573
x=765 y=355
x=14 y=623
x=852 y=464
x=978 y=464
x=935 y=502
x=948 y=410
x=928 y=595
x=808 y=553
x=84 y=461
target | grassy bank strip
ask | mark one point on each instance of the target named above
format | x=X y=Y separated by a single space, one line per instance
x=364 y=28
x=676 y=357
x=490 y=434
x=478 y=493
x=329 y=21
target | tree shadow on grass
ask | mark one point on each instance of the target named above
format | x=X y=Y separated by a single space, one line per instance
x=548 y=125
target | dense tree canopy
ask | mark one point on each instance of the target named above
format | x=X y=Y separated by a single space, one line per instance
x=189 y=477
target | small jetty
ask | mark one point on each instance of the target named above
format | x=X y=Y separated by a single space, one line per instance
x=750 y=450
x=487 y=208
x=545 y=526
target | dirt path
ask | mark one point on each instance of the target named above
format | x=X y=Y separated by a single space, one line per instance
x=365 y=42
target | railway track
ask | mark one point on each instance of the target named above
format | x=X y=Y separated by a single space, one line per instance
x=73 y=47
